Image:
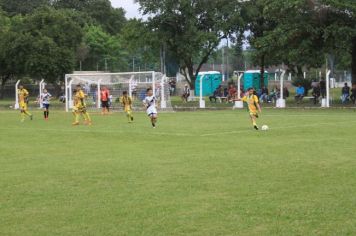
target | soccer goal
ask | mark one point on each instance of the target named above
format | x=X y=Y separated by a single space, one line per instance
x=135 y=83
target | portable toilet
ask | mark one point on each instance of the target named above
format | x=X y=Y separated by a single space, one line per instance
x=211 y=80
x=251 y=78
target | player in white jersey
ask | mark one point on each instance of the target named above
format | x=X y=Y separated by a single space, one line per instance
x=45 y=99
x=150 y=104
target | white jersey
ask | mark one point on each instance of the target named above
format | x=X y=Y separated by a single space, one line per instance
x=45 y=98
x=150 y=102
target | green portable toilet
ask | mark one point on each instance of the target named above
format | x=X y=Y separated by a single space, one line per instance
x=251 y=78
x=211 y=80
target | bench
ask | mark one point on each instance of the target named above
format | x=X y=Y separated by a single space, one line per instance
x=221 y=99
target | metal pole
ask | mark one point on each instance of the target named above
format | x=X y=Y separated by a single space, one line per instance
x=163 y=99
x=328 y=72
x=41 y=87
x=154 y=83
x=17 y=106
x=66 y=91
x=201 y=101
x=98 y=95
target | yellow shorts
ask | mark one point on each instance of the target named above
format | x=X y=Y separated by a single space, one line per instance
x=254 y=113
x=127 y=109
x=23 y=105
x=79 y=108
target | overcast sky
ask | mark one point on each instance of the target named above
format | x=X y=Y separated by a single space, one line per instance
x=130 y=7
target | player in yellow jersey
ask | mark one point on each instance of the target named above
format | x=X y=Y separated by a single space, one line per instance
x=253 y=106
x=79 y=107
x=126 y=101
x=23 y=95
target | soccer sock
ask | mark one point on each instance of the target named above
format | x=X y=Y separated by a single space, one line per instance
x=27 y=113
x=129 y=114
x=22 y=115
x=254 y=123
x=86 y=115
x=76 y=117
x=45 y=114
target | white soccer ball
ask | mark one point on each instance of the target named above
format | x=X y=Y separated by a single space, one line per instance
x=264 y=127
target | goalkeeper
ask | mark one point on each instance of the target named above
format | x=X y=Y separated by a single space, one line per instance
x=126 y=101
x=80 y=107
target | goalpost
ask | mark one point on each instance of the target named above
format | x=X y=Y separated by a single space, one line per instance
x=135 y=83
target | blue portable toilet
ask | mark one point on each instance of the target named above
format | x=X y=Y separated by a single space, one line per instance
x=211 y=80
x=251 y=78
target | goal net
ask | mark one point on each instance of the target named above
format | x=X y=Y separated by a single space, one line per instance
x=135 y=83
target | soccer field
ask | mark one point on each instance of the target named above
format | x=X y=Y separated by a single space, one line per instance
x=198 y=173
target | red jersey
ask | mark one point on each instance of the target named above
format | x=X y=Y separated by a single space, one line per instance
x=104 y=95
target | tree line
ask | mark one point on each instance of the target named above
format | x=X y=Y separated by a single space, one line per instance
x=45 y=39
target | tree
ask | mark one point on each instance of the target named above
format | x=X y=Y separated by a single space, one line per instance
x=192 y=30
x=258 y=23
x=141 y=43
x=296 y=39
x=339 y=19
x=14 y=7
x=103 y=47
x=101 y=11
x=55 y=37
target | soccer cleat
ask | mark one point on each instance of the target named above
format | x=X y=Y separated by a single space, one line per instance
x=75 y=123
x=256 y=127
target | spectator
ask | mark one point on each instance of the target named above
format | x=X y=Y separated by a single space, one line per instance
x=264 y=94
x=345 y=93
x=172 y=86
x=232 y=93
x=299 y=93
x=322 y=85
x=285 y=92
x=316 y=93
x=353 y=94
x=186 y=93
x=215 y=95
x=273 y=95
x=226 y=92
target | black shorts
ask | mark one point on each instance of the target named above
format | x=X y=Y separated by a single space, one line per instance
x=45 y=106
x=105 y=104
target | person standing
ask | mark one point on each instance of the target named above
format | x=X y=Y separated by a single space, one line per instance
x=104 y=98
x=150 y=104
x=345 y=93
x=126 y=101
x=80 y=107
x=316 y=93
x=186 y=93
x=45 y=99
x=322 y=84
x=253 y=106
x=23 y=96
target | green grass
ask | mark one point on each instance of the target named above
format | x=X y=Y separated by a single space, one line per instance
x=201 y=173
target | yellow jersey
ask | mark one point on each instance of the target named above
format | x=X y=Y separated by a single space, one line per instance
x=23 y=94
x=126 y=102
x=252 y=101
x=79 y=99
